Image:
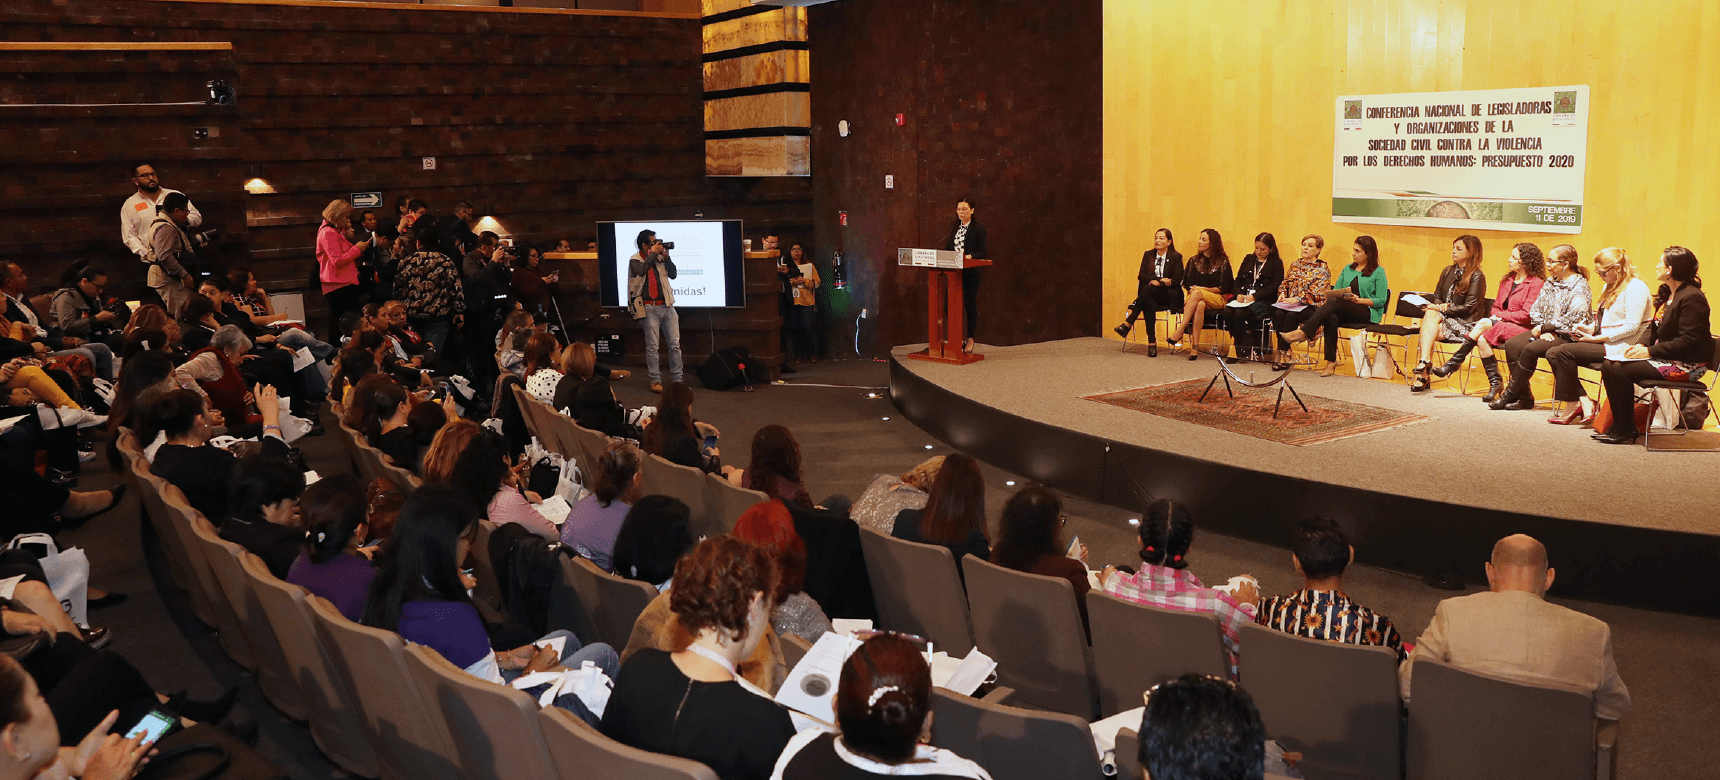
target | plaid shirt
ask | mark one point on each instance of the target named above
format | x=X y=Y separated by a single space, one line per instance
x=1329 y=615
x=1166 y=588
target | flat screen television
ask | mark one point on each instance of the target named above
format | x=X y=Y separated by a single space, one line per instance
x=709 y=272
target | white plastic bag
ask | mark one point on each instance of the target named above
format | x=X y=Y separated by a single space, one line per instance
x=68 y=574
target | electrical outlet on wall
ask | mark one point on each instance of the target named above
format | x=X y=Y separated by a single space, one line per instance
x=889 y=182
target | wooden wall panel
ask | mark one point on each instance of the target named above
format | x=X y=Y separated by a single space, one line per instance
x=1231 y=128
x=755 y=88
x=756 y=156
x=1001 y=104
x=779 y=109
x=548 y=121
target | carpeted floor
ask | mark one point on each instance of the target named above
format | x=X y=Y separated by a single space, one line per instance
x=1670 y=662
x=1464 y=453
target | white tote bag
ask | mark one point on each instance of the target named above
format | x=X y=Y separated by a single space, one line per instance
x=68 y=574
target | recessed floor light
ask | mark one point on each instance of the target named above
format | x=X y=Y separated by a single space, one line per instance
x=1134 y=521
x=1009 y=482
x=886 y=419
x=928 y=446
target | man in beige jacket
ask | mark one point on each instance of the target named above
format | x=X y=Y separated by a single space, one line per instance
x=1513 y=632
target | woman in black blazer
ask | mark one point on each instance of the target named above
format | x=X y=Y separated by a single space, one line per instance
x=1681 y=341
x=1257 y=285
x=967 y=237
x=1158 y=287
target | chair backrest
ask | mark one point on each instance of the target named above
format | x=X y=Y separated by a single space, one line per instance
x=405 y=481
x=1463 y=724
x=494 y=727
x=567 y=606
x=201 y=541
x=226 y=559
x=1031 y=626
x=1136 y=647
x=1126 y=754
x=408 y=734
x=793 y=649
x=336 y=725
x=613 y=603
x=348 y=438
x=581 y=751
x=729 y=500
x=588 y=443
x=659 y=477
x=918 y=590
x=1335 y=703
x=1011 y=743
x=183 y=570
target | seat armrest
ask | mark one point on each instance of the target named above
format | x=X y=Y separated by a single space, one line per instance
x=998 y=695
x=1606 y=750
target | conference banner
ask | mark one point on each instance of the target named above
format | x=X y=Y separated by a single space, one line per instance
x=1496 y=159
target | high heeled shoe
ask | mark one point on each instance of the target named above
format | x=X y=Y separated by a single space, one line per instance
x=1122 y=330
x=1419 y=381
x=1153 y=349
x=1570 y=416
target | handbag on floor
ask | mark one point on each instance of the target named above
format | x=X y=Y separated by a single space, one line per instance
x=68 y=573
x=205 y=752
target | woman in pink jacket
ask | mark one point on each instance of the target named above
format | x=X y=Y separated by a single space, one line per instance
x=1525 y=273
x=337 y=265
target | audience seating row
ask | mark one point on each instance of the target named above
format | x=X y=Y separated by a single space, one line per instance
x=1336 y=704
x=375 y=707
x=715 y=502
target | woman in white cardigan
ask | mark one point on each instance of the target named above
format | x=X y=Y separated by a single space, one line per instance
x=1623 y=313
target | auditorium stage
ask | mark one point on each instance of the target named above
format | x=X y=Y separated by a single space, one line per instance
x=1622 y=525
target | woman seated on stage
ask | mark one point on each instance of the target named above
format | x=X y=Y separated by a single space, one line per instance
x=1682 y=344
x=1563 y=304
x=1167 y=530
x=1450 y=313
x=883 y=705
x=954 y=516
x=1363 y=301
x=1257 y=284
x=1525 y=273
x=1624 y=316
x=1207 y=283
x=1158 y=286
x=1304 y=282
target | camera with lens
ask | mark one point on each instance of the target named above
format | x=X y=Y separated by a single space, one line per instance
x=667 y=245
x=205 y=238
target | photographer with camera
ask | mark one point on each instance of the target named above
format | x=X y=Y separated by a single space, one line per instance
x=650 y=299
x=489 y=297
x=171 y=251
x=79 y=311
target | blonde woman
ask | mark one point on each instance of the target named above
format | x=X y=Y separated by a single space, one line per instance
x=337 y=264
x=1623 y=315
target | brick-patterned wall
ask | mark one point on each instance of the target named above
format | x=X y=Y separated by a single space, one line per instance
x=1001 y=103
x=549 y=122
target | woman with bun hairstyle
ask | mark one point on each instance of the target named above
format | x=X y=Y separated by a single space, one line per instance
x=883 y=710
x=335 y=565
x=1363 y=301
x=1680 y=345
x=692 y=702
x=1525 y=273
x=1167 y=530
x=1208 y=283
x=1563 y=305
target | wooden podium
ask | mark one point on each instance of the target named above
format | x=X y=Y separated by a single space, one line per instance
x=944 y=313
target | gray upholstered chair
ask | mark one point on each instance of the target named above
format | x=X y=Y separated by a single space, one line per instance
x=1030 y=625
x=1012 y=743
x=1136 y=647
x=581 y=752
x=1468 y=725
x=1337 y=704
x=494 y=728
x=918 y=591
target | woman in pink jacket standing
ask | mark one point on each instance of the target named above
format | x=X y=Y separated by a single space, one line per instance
x=337 y=265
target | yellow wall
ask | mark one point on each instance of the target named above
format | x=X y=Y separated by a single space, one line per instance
x=1218 y=113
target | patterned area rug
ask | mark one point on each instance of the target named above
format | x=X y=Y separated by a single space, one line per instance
x=1250 y=412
